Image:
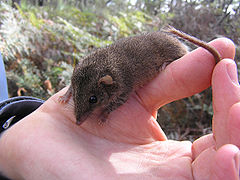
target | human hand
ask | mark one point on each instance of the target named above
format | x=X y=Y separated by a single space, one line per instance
x=48 y=144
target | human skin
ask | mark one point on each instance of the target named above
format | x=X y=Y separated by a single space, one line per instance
x=48 y=144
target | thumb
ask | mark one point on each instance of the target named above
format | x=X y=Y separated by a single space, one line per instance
x=226 y=92
x=226 y=163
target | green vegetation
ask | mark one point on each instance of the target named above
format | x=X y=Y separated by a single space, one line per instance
x=41 y=45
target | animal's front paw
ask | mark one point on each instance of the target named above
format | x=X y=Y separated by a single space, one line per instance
x=63 y=99
x=103 y=117
x=66 y=97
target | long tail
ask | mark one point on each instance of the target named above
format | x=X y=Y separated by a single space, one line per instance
x=195 y=41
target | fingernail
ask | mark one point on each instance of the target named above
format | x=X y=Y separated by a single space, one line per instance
x=232 y=72
x=236 y=160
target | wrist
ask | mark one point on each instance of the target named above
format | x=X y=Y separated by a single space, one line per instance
x=8 y=162
x=13 y=110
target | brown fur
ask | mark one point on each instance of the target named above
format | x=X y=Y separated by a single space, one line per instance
x=125 y=65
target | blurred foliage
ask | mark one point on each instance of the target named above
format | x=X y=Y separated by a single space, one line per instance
x=41 y=45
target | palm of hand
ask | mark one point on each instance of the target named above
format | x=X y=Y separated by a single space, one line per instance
x=130 y=145
x=70 y=152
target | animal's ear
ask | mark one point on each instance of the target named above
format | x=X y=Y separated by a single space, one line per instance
x=106 y=80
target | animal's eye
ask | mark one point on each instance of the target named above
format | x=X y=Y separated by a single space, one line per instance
x=93 y=99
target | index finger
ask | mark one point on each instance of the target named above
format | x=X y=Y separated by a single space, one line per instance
x=189 y=75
